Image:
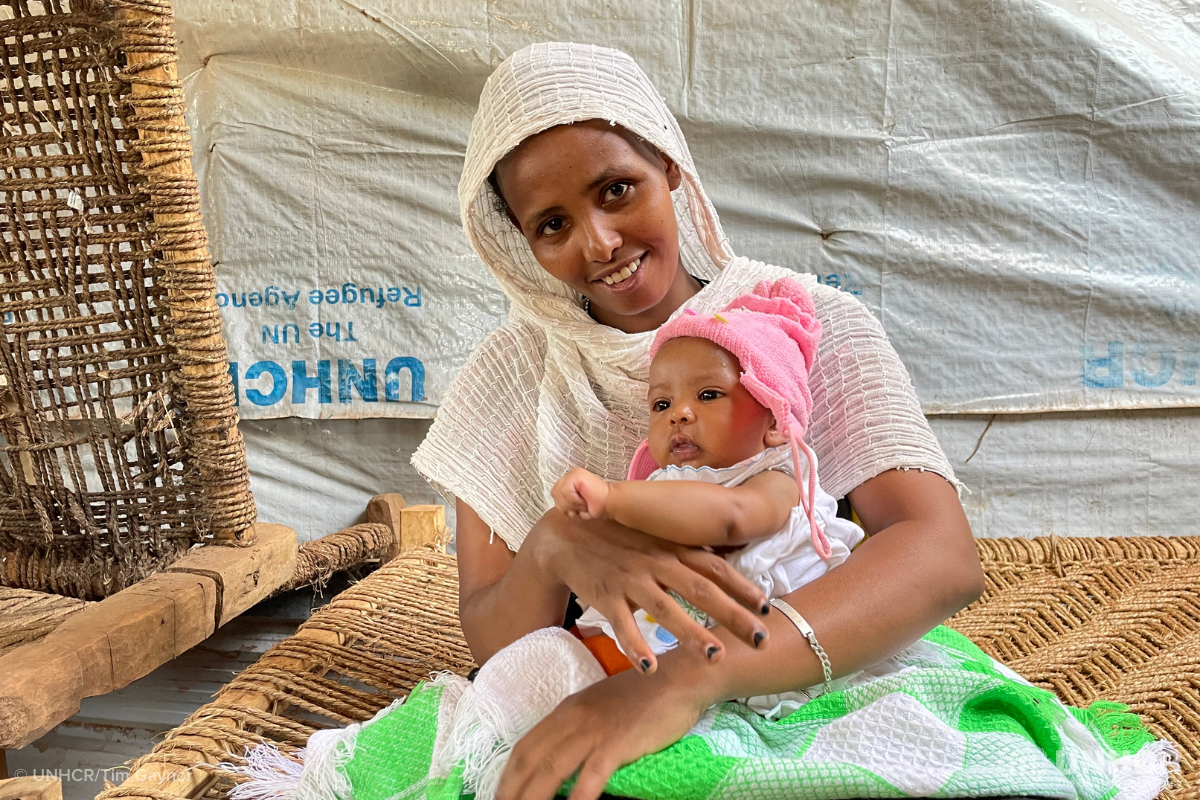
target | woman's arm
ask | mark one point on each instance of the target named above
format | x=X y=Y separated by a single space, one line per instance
x=918 y=568
x=504 y=595
x=500 y=597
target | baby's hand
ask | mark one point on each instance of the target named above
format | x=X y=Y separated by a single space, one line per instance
x=581 y=494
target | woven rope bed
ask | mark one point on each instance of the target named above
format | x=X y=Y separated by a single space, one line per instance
x=1115 y=619
x=119 y=446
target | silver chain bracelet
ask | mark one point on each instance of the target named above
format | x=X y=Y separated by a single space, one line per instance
x=807 y=632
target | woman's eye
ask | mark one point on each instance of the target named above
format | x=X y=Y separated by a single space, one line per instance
x=552 y=225
x=709 y=394
x=616 y=191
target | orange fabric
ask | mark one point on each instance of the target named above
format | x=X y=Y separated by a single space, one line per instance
x=605 y=650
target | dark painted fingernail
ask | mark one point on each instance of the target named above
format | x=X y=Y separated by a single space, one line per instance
x=766 y=609
x=712 y=651
x=758 y=637
x=645 y=665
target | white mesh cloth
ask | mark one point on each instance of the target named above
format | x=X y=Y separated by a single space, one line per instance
x=552 y=389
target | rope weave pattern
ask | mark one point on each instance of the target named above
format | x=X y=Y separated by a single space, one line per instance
x=1101 y=619
x=319 y=559
x=112 y=362
x=1108 y=619
x=26 y=617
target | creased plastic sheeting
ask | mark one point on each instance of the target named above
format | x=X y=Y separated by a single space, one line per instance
x=329 y=217
x=317 y=476
x=1117 y=473
x=1012 y=187
x=1107 y=473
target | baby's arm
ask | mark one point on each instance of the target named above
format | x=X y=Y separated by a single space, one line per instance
x=687 y=512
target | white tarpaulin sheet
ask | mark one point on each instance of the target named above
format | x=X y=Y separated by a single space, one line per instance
x=1110 y=473
x=1012 y=186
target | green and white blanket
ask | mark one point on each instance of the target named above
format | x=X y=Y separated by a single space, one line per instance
x=945 y=721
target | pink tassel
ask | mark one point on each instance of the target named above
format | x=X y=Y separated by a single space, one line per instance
x=819 y=539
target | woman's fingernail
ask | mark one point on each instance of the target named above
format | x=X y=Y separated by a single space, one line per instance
x=645 y=665
x=712 y=651
x=758 y=637
x=766 y=609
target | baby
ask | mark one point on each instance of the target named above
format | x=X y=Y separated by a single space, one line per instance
x=725 y=465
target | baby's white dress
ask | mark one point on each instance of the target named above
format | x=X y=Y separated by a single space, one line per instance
x=778 y=564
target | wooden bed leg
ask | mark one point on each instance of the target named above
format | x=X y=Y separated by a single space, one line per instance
x=421 y=525
x=3 y=765
x=385 y=509
x=33 y=788
x=413 y=526
x=114 y=642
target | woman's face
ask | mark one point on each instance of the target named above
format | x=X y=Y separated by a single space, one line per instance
x=594 y=203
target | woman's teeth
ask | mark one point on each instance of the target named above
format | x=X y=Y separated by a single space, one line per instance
x=618 y=277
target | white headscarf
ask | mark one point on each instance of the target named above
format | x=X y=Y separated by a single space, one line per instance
x=552 y=389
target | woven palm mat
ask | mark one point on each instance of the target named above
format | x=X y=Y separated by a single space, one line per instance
x=1089 y=619
x=118 y=439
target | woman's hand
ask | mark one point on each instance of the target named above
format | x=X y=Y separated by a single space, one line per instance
x=600 y=729
x=581 y=494
x=505 y=595
x=616 y=569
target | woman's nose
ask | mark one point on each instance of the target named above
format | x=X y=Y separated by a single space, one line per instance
x=600 y=240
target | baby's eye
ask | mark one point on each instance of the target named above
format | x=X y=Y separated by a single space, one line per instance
x=709 y=394
x=660 y=405
x=552 y=225
x=616 y=191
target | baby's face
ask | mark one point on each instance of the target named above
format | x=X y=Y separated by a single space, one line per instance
x=700 y=413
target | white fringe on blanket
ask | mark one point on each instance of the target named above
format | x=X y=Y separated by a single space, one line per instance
x=318 y=775
x=514 y=690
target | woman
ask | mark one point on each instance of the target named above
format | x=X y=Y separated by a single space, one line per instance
x=580 y=194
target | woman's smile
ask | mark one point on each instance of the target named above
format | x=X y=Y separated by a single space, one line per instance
x=624 y=278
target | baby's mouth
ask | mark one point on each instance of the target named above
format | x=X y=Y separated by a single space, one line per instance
x=683 y=448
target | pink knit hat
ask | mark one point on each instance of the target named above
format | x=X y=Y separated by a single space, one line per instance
x=773 y=332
